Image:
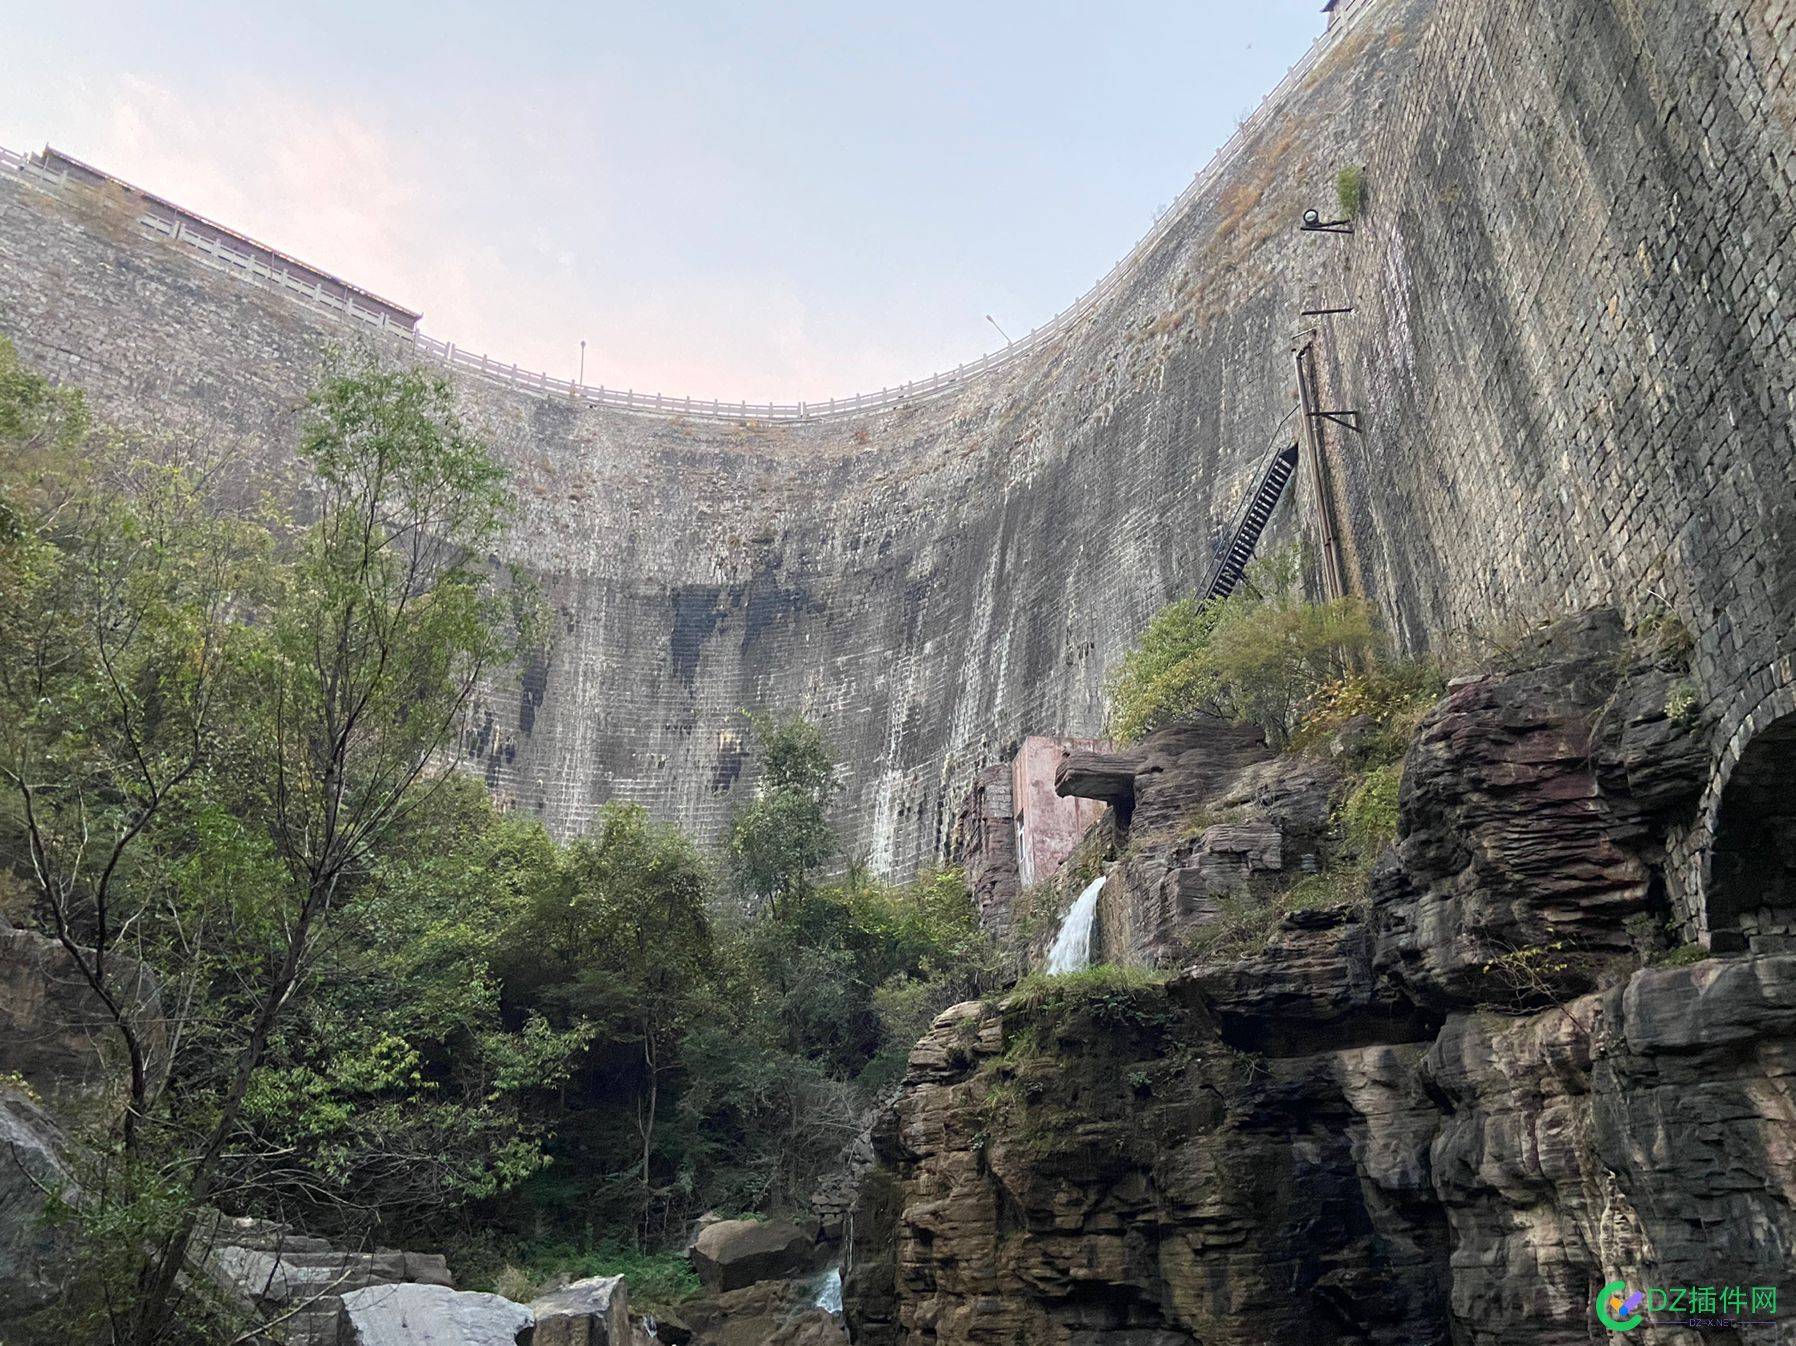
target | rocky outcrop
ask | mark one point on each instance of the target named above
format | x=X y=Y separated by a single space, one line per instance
x=983 y=843
x=590 y=1312
x=432 y=1315
x=1309 y=987
x=1533 y=816
x=56 y=1035
x=276 y=1274
x=835 y=1197
x=731 y=1254
x=32 y=1164
x=1450 y=1110
x=1108 y=1170
x=1091 y=773
x=767 y=1313
x=1644 y=1134
x=1218 y=820
x=1104 y=1169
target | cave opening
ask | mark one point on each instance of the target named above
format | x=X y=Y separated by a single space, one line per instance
x=1752 y=872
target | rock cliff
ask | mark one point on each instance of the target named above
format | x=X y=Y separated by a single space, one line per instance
x=1450 y=1108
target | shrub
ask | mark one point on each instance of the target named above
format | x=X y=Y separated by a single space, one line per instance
x=1662 y=633
x=1682 y=703
x=1682 y=956
x=1394 y=696
x=1335 y=886
x=1350 y=190
x=1166 y=679
x=1256 y=657
x=1368 y=816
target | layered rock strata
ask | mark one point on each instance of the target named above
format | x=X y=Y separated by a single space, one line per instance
x=1449 y=1109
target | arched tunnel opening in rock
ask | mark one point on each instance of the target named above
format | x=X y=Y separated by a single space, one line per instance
x=1752 y=875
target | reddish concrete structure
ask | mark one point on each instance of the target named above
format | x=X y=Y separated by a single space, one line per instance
x=1047 y=826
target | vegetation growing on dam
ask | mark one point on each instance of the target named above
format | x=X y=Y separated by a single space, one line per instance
x=1263 y=656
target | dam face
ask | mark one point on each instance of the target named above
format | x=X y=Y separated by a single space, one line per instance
x=1568 y=358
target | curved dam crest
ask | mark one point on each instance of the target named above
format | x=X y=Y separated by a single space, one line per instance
x=1571 y=376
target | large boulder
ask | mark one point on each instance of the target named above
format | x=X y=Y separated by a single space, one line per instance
x=30 y=1167
x=732 y=1254
x=432 y=1315
x=56 y=1036
x=274 y=1274
x=592 y=1312
x=1091 y=773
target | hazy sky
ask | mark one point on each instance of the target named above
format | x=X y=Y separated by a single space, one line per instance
x=749 y=199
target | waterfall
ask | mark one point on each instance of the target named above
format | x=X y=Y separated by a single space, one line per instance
x=1072 y=946
x=829 y=1295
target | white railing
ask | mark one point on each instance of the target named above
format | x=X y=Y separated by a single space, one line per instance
x=215 y=253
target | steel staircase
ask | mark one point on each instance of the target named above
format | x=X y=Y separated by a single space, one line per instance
x=1246 y=536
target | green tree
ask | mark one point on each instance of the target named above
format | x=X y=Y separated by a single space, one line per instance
x=119 y=576
x=386 y=619
x=397 y=1090
x=214 y=731
x=622 y=942
x=782 y=839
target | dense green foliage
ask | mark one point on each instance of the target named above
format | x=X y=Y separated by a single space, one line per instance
x=1257 y=657
x=390 y=1012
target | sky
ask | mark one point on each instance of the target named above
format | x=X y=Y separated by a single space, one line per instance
x=760 y=199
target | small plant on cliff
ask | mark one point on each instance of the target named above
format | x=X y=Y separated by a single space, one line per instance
x=1662 y=633
x=1683 y=704
x=1368 y=816
x=1364 y=825
x=1390 y=699
x=1526 y=978
x=1685 y=955
x=1256 y=657
x=1350 y=191
x=1241 y=925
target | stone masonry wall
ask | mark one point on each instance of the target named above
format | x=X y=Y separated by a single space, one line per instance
x=1570 y=351
x=1572 y=345
x=932 y=582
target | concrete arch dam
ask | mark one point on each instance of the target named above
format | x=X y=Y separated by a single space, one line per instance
x=1569 y=350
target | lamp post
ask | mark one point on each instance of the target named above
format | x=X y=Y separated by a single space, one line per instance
x=582 y=362
x=994 y=322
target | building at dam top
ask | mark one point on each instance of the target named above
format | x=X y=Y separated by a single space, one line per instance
x=1565 y=339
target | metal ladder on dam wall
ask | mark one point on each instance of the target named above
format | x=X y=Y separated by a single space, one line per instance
x=1254 y=518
